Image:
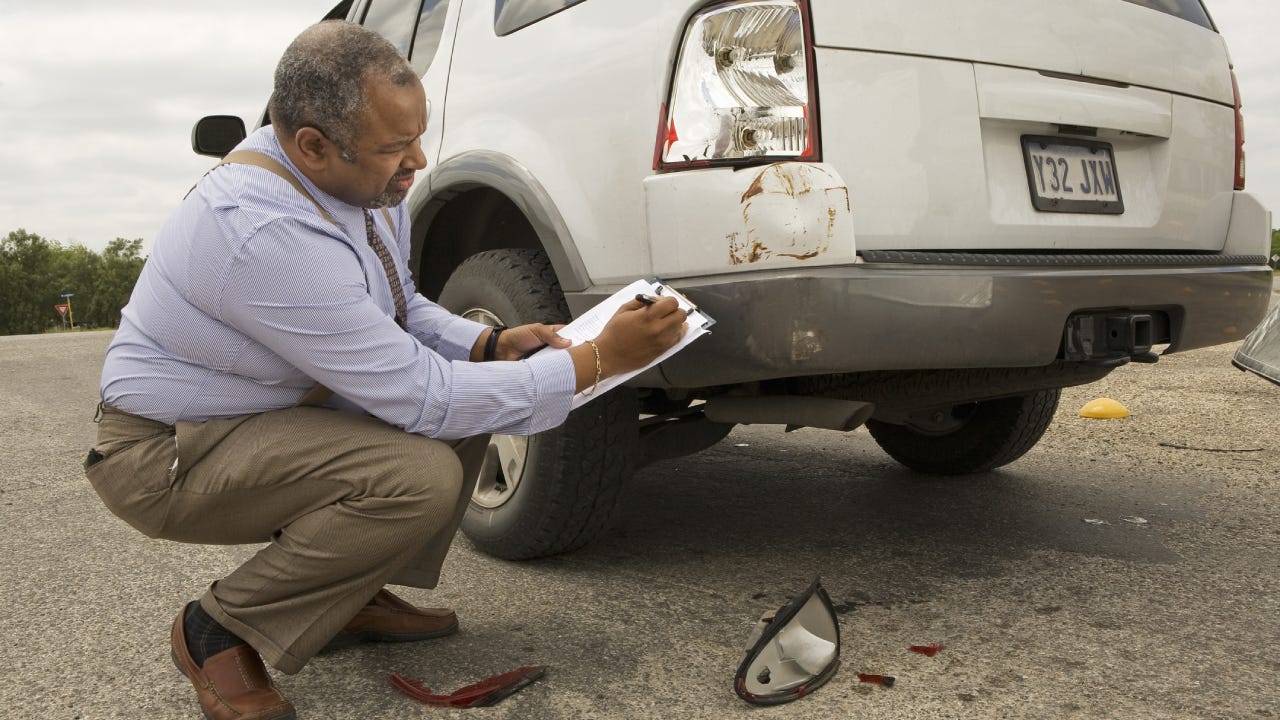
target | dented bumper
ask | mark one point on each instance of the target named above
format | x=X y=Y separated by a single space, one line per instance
x=788 y=214
x=900 y=316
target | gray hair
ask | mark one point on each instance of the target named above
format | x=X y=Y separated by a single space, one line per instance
x=320 y=81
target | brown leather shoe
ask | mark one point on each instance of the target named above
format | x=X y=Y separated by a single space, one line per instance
x=387 y=618
x=232 y=685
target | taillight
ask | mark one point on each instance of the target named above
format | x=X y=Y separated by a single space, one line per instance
x=1235 y=86
x=743 y=87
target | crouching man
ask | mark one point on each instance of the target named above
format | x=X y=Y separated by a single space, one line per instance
x=276 y=379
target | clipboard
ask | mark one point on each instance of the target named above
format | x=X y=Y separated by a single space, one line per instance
x=589 y=325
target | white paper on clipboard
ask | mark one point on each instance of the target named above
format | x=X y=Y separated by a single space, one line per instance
x=589 y=325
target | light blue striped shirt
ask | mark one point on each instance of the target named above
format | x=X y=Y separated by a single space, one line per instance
x=250 y=297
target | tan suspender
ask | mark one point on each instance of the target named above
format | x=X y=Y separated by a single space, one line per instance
x=319 y=394
x=268 y=163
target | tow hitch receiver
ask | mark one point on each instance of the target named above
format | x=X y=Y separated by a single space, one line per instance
x=1111 y=337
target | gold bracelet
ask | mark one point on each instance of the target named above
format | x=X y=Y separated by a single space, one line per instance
x=596 y=349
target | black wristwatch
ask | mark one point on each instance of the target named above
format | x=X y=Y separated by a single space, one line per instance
x=491 y=345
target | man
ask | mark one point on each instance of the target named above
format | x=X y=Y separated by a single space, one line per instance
x=271 y=279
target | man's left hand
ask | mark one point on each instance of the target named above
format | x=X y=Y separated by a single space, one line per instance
x=515 y=342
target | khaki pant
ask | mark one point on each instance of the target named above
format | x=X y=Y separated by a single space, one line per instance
x=345 y=502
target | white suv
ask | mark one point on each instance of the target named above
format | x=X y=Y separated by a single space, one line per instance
x=933 y=213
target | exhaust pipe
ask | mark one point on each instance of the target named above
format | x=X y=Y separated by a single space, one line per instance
x=794 y=411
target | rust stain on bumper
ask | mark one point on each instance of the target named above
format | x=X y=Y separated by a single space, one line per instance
x=789 y=210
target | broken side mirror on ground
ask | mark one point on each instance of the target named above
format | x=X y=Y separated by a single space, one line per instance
x=792 y=651
x=1260 y=352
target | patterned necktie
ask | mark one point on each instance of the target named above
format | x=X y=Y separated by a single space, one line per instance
x=389 y=266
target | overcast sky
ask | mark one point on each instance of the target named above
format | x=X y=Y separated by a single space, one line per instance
x=97 y=101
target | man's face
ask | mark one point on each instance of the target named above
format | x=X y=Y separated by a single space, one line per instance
x=388 y=148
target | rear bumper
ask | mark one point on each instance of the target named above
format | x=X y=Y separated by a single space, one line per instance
x=903 y=316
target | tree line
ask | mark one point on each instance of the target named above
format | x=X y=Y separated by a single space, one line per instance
x=35 y=273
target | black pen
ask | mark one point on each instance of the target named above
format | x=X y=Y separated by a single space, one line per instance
x=646 y=299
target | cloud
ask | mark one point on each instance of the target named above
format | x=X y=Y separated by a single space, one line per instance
x=98 y=101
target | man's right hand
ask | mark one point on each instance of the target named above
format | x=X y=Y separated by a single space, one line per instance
x=634 y=337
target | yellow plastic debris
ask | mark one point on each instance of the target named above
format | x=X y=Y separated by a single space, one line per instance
x=1104 y=409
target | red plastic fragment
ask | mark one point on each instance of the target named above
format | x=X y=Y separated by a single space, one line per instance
x=885 y=680
x=485 y=693
x=928 y=650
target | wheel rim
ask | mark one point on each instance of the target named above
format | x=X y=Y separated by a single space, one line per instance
x=504 y=461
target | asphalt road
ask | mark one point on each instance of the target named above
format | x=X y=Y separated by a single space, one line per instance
x=1042 y=614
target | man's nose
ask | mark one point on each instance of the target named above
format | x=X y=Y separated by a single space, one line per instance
x=415 y=159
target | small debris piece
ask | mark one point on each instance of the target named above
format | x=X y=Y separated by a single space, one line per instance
x=1135 y=520
x=1178 y=446
x=1104 y=409
x=927 y=650
x=742 y=444
x=485 y=693
x=885 y=680
x=1096 y=521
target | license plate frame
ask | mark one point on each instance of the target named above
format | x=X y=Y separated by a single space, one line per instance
x=1061 y=190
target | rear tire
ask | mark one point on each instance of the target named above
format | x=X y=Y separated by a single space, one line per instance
x=978 y=437
x=557 y=490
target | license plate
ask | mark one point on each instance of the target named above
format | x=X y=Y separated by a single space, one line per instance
x=1072 y=176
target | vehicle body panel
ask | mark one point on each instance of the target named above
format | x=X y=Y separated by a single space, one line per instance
x=946 y=170
x=725 y=220
x=590 y=148
x=1105 y=39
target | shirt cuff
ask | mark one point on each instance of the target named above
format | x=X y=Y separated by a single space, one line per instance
x=554 y=381
x=458 y=337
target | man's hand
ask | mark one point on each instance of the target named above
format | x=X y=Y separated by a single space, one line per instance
x=638 y=334
x=515 y=342
x=634 y=337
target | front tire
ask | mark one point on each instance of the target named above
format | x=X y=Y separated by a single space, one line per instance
x=555 y=491
x=969 y=438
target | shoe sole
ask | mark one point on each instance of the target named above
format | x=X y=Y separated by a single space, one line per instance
x=347 y=640
x=174 y=657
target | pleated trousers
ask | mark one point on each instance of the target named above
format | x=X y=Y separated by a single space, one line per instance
x=345 y=504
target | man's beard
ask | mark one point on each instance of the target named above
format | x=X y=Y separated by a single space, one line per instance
x=389 y=197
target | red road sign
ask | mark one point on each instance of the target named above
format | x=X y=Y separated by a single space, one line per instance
x=62 y=309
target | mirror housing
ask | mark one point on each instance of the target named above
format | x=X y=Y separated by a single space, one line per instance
x=1260 y=352
x=217 y=135
x=792 y=651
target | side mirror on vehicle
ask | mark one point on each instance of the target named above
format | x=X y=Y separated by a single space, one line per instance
x=792 y=652
x=217 y=135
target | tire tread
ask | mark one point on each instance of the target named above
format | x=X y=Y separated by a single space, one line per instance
x=581 y=466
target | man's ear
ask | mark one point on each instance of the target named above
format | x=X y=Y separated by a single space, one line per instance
x=314 y=149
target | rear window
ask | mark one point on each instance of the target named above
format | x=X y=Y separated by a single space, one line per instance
x=511 y=15
x=1186 y=9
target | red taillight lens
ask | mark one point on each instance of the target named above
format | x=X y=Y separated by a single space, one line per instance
x=743 y=87
x=1235 y=86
